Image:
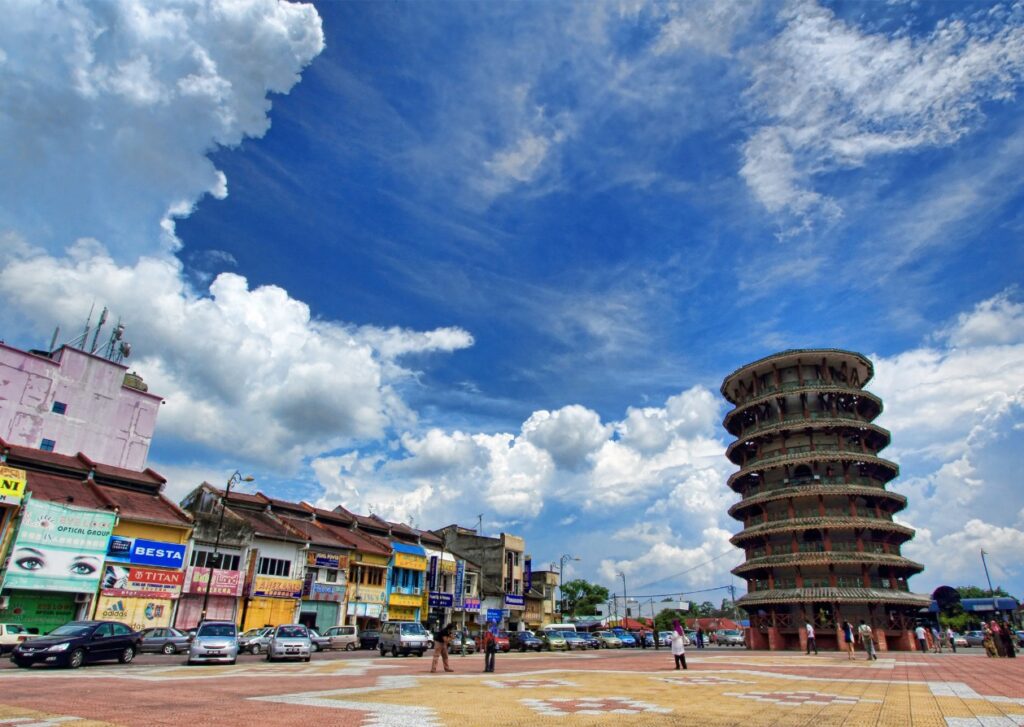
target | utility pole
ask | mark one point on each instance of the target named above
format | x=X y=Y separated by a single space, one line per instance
x=991 y=592
x=214 y=560
x=625 y=598
x=654 y=626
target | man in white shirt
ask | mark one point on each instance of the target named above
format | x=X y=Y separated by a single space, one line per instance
x=867 y=638
x=811 y=642
x=922 y=639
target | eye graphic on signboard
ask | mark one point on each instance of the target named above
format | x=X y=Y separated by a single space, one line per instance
x=55 y=562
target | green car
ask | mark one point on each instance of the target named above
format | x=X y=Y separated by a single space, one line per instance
x=553 y=641
x=609 y=640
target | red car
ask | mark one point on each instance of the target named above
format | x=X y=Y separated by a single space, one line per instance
x=501 y=641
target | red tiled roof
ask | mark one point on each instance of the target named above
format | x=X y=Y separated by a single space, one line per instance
x=66 y=490
x=363 y=542
x=106 y=471
x=312 y=532
x=262 y=523
x=133 y=505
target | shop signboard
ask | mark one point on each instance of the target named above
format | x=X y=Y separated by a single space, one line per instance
x=460 y=583
x=141 y=582
x=471 y=604
x=441 y=600
x=273 y=587
x=139 y=613
x=225 y=582
x=314 y=591
x=59 y=548
x=139 y=551
x=39 y=610
x=527 y=575
x=411 y=562
x=369 y=610
x=12 y=485
x=432 y=573
x=514 y=601
x=326 y=560
x=495 y=615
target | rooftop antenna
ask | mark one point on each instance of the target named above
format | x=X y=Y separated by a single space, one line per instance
x=116 y=348
x=480 y=524
x=99 y=327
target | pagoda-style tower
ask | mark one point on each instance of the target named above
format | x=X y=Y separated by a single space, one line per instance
x=818 y=529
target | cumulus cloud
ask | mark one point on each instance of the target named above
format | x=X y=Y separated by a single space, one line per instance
x=115 y=105
x=830 y=96
x=248 y=371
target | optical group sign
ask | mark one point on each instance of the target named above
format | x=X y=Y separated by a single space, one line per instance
x=59 y=548
x=139 y=551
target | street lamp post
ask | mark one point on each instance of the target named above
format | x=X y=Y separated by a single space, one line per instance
x=214 y=560
x=625 y=598
x=561 y=596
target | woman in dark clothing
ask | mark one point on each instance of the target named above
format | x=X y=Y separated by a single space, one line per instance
x=1006 y=631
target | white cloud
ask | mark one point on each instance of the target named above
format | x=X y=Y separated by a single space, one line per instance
x=831 y=96
x=570 y=435
x=111 y=108
x=245 y=371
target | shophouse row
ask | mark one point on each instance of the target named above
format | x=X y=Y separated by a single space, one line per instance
x=80 y=539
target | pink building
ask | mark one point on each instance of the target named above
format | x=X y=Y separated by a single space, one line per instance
x=71 y=401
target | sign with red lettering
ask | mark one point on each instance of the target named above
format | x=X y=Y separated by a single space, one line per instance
x=141 y=582
x=225 y=582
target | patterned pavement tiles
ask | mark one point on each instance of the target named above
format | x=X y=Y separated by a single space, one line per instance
x=741 y=688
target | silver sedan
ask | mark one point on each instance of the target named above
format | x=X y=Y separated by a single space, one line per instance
x=290 y=642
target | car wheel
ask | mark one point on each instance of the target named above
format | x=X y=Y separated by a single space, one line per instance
x=127 y=655
x=169 y=649
x=77 y=658
x=22 y=665
x=269 y=657
x=306 y=659
x=232 y=662
x=255 y=648
x=350 y=647
x=316 y=647
x=394 y=651
x=419 y=653
x=382 y=652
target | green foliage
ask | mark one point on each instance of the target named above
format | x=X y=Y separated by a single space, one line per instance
x=663 y=621
x=975 y=592
x=579 y=596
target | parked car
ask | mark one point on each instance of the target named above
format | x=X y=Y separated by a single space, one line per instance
x=501 y=642
x=163 y=641
x=592 y=641
x=974 y=638
x=666 y=638
x=320 y=643
x=1020 y=638
x=525 y=641
x=609 y=640
x=290 y=641
x=369 y=639
x=462 y=639
x=255 y=640
x=626 y=638
x=214 y=641
x=730 y=637
x=78 y=642
x=11 y=635
x=553 y=641
x=343 y=637
x=575 y=641
x=960 y=641
x=403 y=637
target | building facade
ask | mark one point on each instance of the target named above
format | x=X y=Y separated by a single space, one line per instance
x=818 y=532
x=501 y=562
x=69 y=401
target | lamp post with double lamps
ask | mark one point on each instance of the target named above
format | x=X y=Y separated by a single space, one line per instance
x=214 y=560
x=561 y=596
x=625 y=600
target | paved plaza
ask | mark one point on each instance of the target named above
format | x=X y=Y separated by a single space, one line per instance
x=594 y=688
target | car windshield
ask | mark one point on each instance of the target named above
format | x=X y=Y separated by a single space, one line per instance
x=413 y=630
x=292 y=632
x=313 y=633
x=72 y=629
x=216 y=630
x=16 y=629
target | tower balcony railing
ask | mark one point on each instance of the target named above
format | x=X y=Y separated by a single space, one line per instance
x=800 y=417
x=766 y=393
x=813 y=480
x=829 y=450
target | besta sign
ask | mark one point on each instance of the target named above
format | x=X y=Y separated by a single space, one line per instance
x=145 y=552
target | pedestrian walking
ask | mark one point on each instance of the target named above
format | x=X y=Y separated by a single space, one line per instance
x=700 y=638
x=922 y=638
x=848 y=638
x=936 y=640
x=643 y=639
x=441 y=640
x=868 y=639
x=490 y=646
x=679 y=642
x=997 y=638
x=1008 y=647
x=951 y=638
x=812 y=643
x=989 y=642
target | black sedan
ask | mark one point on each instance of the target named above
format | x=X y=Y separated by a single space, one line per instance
x=524 y=641
x=78 y=642
x=164 y=641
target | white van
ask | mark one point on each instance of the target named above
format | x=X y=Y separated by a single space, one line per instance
x=560 y=627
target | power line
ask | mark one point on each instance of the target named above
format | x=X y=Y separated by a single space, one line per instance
x=688 y=570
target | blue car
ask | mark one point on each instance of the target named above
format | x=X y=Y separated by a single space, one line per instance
x=628 y=642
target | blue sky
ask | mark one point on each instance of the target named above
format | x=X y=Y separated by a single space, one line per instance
x=444 y=259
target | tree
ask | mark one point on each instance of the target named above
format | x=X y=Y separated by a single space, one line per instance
x=663 y=621
x=579 y=596
x=975 y=592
